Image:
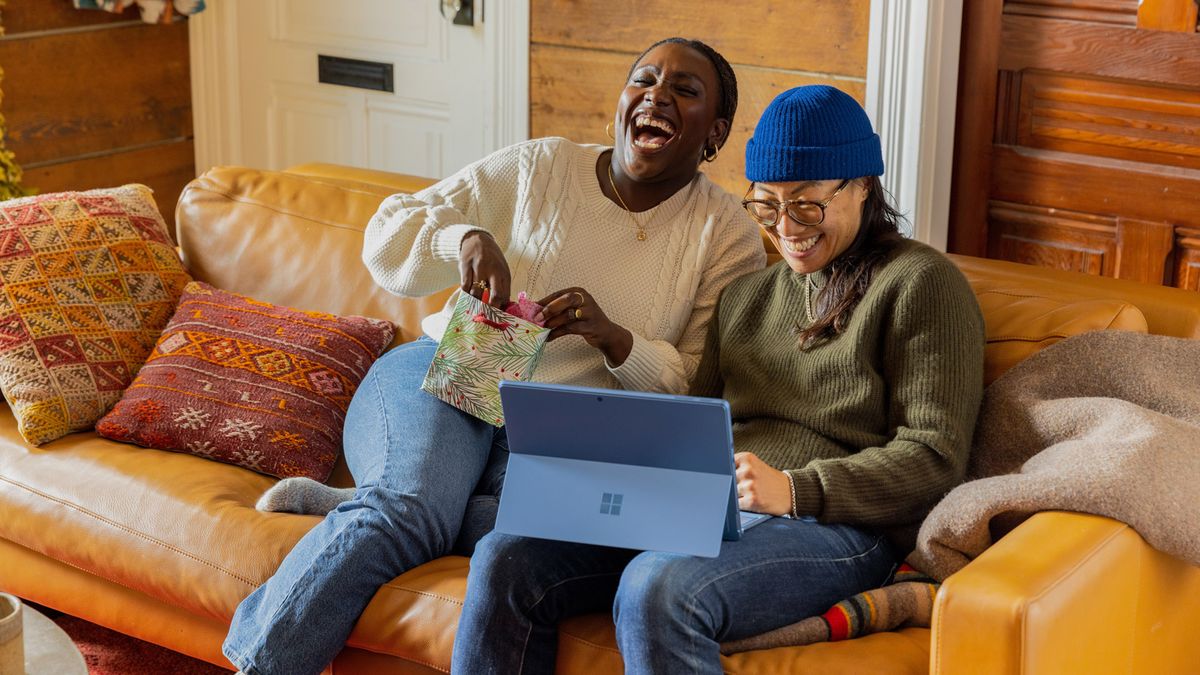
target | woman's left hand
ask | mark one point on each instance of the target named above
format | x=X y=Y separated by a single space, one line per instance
x=761 y=488
x=573 y=311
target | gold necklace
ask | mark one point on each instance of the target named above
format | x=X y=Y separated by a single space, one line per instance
x=641 y=231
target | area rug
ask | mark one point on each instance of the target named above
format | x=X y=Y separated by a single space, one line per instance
x=108 y=652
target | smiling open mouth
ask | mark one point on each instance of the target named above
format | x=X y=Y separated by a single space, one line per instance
x=802 y=245
x=652 y=133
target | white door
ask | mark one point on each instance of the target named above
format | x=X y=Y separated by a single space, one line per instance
x=272 y=110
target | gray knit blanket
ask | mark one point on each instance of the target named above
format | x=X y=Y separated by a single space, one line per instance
x=1106 y=423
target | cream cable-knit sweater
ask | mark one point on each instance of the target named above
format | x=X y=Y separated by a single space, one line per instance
x=542 y=203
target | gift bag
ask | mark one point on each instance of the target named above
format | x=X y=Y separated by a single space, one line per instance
x=481 y=346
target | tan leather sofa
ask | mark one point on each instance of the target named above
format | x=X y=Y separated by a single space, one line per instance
x=163 y=546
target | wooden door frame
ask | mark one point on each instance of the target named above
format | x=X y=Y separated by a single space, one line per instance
x=911 y=94
x=978 y=74
x=213 y=43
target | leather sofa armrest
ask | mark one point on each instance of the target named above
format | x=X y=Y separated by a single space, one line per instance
x=1067 y=593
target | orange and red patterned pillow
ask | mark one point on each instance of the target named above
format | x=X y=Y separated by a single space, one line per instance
x=249 y=383
x=88 y=280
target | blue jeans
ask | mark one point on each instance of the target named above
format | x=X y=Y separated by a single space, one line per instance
x=416 y=462
x=671 y=611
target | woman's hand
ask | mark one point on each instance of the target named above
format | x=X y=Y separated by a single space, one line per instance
x=761 y=488
x=573 y=311
x=482 y=266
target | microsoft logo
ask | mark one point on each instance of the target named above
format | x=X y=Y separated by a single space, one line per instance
x=611 y=503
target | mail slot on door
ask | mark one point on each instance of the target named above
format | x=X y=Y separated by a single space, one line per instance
x=355 y=73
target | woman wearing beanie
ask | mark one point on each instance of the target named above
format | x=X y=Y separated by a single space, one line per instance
x=854 y=373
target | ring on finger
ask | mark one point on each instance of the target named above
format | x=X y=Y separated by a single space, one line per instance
x=581 y=298
x=578 y=313
x=481 y=285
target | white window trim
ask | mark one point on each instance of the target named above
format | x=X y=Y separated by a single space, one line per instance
x=912 y=88
x=506 y=43
x=213 y=51
x=213 y=44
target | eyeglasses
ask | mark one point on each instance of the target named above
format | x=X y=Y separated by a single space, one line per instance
x=768 y=212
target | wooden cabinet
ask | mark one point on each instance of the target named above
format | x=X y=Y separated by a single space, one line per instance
x=1078 y=137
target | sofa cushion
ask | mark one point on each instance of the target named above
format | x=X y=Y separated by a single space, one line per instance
x=89 y=280
x=235 y=224
x=183 y=531
x=587 y=644
x=356 y=178
x=176 y=527
x=1167 y=311
x=1022 y=321
x=249 y=383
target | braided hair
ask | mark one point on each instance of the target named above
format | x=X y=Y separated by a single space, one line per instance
x=727 y=104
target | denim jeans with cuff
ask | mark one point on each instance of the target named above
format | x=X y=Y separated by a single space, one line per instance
x=671 y=611
x=416 y=462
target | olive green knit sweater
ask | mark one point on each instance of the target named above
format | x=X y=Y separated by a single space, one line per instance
x=873 y=426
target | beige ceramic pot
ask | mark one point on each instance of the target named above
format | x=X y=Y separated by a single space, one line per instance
x=12 y=643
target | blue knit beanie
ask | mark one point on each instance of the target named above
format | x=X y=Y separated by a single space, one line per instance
x=813 y=133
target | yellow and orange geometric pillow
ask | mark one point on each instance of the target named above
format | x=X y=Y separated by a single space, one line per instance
x=250 y=383
x=87 y=282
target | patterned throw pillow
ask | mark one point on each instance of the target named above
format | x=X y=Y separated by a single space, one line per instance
x=249 y=383
x=89 y=280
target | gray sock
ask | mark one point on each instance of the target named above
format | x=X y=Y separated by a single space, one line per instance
x=303 y=495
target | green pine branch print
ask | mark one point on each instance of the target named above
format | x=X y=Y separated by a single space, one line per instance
x=516 y=359
x=467 y=373
x=474 y=403
x=480 y=347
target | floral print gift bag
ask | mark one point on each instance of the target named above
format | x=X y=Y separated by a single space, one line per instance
x=481 y=346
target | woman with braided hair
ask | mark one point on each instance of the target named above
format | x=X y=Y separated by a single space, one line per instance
x=627 y=248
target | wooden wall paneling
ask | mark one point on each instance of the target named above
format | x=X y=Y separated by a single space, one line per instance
x=1187 y=259
x=1097 y=185
x=1008 y=107
x=757 y=87
x=1144 y=250
x=975 y=128
x=95 y=99
x=1090 y=145
x=80 y=93
x=1168 y=15
x=164 y=168
x=26 y=16
x=1035 y=235
x=1104 y=51
x=810 y=35
x=573 y=93
x=1099 y=116
x=1115 y=12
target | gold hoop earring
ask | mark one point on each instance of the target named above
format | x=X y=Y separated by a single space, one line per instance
x=715 y=151
x=608 y=131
